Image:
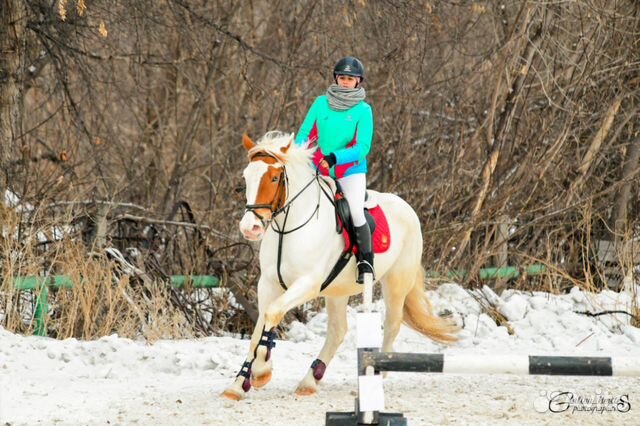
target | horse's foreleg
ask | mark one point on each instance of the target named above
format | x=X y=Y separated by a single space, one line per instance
x=302 y=290
x=336 y=330
x=242 y=383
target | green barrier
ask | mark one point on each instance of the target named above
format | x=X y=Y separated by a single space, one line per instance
x=41 y=286
x=507 y=272
x=197 y=281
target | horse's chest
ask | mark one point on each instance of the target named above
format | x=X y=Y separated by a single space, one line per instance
x=300 y=256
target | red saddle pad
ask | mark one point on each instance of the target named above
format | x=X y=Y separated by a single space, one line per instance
x=381 y=237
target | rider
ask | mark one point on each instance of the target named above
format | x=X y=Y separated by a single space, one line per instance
x=340 y=122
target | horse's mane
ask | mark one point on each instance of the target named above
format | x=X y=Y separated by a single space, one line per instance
x=296 y=156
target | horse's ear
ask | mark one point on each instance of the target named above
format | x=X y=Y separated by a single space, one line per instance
x=247 y=142
x=284 y=149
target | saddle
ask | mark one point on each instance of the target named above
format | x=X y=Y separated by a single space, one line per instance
x=376 y=219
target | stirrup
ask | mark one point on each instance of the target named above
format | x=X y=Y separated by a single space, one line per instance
x=364 y=267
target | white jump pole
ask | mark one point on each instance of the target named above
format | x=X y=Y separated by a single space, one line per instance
x=369 y=337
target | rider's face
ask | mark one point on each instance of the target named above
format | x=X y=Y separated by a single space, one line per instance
x=347 y=81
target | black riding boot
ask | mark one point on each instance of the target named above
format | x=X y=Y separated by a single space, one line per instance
x=365 y=252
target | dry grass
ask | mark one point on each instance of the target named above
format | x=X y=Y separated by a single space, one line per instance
x=102 y=299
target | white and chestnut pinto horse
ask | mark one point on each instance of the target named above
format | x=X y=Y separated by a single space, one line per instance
x=288 y=211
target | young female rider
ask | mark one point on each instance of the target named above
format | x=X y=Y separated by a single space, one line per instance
x=340 y=122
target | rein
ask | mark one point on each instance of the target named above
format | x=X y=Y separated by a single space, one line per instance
x=285 y=208
x=346 y=254
x=283 y=185
x=281 y=232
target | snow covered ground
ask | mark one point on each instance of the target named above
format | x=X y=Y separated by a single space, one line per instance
x=116 y=381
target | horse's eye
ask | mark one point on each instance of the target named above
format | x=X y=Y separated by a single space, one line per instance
x=275 y=179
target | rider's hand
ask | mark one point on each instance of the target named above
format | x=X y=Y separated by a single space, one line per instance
x=329 y=160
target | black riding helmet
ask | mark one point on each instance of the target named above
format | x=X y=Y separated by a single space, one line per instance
x=349 y=65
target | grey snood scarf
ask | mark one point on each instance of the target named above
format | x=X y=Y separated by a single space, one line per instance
x=341 y=99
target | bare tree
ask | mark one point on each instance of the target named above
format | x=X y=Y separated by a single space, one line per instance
x=12 y=76
x=509 y=126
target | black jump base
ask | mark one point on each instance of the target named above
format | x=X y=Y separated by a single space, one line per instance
x=335 y=418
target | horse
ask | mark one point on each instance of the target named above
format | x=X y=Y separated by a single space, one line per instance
x=288 y=212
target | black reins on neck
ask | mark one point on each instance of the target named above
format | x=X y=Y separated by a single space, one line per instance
x=283 y=185
x=346 y=254
x=281 y=232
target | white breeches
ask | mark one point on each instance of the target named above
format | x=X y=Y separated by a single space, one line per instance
x=354 y=188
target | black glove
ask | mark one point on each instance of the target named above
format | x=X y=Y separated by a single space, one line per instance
x=330 y=159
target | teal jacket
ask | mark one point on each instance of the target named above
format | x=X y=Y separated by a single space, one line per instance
x=346 y=134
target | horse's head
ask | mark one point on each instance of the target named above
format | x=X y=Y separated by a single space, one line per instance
x=266 y=185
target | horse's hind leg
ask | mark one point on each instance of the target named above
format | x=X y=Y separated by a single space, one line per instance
x=336 y=330
x=395 y=287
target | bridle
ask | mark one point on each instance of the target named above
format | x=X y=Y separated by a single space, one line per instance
x=279 y=204
x=276 y=205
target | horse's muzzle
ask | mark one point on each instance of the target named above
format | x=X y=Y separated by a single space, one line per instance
x=251 y=228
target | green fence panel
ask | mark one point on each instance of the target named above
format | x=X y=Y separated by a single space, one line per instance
x=41 y=287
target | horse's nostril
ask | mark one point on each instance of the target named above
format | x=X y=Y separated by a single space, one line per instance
x=256 y=228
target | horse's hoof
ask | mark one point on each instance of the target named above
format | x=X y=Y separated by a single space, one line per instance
x=260 y=381
x=238 y=389
x=232 y=395
x=306 y=391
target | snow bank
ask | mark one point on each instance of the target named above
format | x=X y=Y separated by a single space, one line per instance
x=114 y=380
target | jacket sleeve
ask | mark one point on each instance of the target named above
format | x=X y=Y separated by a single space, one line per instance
x=307 y=124
x=364 y=135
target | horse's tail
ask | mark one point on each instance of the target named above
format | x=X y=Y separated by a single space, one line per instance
x=419 y=316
